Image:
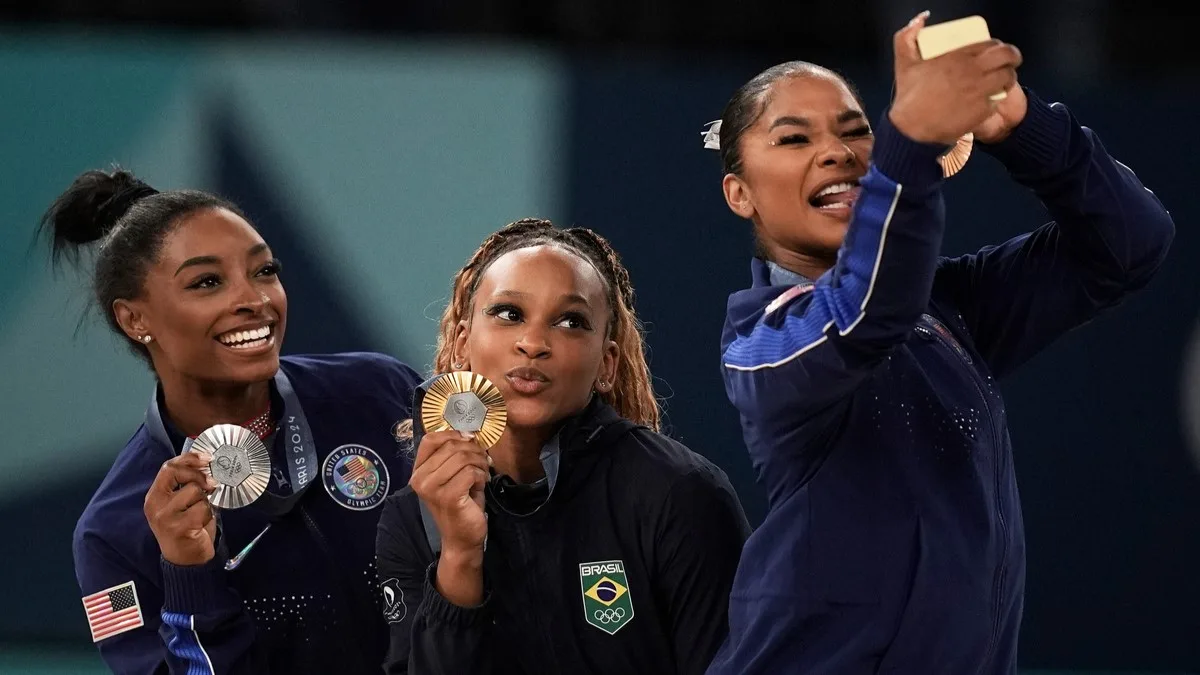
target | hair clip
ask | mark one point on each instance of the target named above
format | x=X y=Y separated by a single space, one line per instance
x=712 y=137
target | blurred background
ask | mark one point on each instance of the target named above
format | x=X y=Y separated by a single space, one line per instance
x=376 y=144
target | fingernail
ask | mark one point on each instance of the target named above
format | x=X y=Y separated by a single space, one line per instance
x=212 y=484
x=467 y=435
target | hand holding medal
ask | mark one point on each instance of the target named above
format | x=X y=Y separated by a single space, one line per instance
x=179 y=513
x=228 y=467
x=463 y=414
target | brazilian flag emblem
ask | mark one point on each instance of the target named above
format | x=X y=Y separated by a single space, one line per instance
x=607 y=604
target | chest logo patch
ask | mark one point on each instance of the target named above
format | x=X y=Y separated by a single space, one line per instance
x=607 y=603
x=355 y=476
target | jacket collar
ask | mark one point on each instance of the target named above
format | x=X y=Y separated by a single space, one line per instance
x=573 y=440
x=766 y=273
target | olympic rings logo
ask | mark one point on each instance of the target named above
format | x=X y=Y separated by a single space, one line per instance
x=609 y=615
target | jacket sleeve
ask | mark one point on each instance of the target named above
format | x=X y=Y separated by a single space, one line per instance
x=205 y=626
x=702 y=529
x=793 y=356
x=433 y=636
x=137 y=650
x=1108 y=237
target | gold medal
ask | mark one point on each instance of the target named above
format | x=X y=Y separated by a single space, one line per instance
x=467 y=402
x=240 y=464
x=954 y=159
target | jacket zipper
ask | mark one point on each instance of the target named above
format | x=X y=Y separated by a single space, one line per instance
x=544 y=631
x=353 y=618
x=940 y=333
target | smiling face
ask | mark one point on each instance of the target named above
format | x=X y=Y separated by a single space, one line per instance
x=212 y=302
x=538 y=329
x=800 y=164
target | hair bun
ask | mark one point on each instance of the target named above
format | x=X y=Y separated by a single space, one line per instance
x=92 y=206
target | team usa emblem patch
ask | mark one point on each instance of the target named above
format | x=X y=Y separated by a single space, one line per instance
x=355 y=477
x=607 y=603
x=113 y=611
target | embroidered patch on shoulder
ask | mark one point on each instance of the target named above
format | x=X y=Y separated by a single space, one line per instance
x=355 y=476
x=607 y=603
x=113 y=611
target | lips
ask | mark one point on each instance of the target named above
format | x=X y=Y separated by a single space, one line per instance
x=837 y=195
x=527 y=381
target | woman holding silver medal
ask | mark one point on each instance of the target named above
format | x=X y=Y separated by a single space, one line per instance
x=548 y=527
x=279 y=578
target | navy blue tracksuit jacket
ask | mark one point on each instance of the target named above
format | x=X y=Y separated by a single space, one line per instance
x=305 y=597
x=893 y=541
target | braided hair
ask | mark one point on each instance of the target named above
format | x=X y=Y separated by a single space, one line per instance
x=632 y=394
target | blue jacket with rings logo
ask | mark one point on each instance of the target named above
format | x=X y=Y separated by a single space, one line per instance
x=291 y=593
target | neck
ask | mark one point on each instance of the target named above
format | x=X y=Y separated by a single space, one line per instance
x=194 y=405
x=806 y=264
x=518 y=454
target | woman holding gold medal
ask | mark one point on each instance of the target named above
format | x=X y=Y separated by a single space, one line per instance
x=296 y=453
x=548 y=527
x=862 y=363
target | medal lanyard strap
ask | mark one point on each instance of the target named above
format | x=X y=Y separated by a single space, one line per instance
x=300 y=453
x=432 y=535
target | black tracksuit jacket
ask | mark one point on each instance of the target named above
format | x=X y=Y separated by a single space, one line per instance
x=625 y=567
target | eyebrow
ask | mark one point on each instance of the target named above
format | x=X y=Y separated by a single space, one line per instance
x=793 y=120
x=568 y=298
x=216 y=260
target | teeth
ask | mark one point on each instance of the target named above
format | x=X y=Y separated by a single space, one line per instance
x=248 y=345
x=249 y=337
x=835 y=189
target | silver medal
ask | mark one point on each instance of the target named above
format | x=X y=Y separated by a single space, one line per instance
x=240 y=464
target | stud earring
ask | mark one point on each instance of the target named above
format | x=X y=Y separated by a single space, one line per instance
x=458 y=366
x=147 y=338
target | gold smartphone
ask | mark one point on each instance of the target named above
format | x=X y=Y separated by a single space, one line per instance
x=935 y=40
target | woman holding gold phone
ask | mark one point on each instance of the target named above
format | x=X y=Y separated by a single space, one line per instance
x=581 y=540
x=863 y=364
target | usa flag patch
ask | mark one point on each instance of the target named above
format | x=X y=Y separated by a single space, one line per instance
x=113 y=611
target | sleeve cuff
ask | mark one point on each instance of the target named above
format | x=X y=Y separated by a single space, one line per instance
x=1038 y=144
x=903 y=160
x=438 y=608
x=194 y=589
